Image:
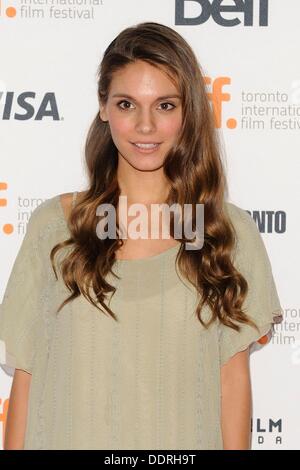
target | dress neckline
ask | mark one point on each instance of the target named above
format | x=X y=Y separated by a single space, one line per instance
x=163 y=254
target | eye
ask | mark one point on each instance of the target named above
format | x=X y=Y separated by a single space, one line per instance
x=169 y=104
x=120 y=102
x=126 y=107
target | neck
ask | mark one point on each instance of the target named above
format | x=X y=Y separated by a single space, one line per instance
x=144 y=187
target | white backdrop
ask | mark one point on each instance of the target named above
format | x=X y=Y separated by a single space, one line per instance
x=51 y=50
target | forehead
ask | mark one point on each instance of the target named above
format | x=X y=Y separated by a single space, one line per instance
x=142 y=78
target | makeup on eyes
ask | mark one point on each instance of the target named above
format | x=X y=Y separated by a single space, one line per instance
x=166 y=102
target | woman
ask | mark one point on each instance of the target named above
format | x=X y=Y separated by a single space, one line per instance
x=139 y=343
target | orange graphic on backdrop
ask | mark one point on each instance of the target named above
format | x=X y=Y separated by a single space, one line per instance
x=7 y=228
x=263 y=340
x=10 y=11
x=3 y=417
x=218 y=97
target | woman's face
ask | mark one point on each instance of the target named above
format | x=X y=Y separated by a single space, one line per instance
x=136 y=113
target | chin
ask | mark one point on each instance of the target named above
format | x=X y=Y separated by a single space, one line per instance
x=144 y=162
x=148 y=166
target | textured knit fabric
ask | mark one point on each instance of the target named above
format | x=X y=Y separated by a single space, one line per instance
x=150 y=381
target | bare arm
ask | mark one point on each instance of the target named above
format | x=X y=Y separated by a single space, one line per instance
x=236 y=402
x=17 y=411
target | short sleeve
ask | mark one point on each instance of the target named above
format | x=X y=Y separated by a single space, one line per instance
x=262 y=303
x=20 y=309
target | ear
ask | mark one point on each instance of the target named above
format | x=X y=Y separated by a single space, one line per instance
x=102 y=113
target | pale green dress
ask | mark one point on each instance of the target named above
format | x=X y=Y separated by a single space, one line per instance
x=151 y=381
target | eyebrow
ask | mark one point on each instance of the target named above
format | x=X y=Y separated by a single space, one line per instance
x=165 y=97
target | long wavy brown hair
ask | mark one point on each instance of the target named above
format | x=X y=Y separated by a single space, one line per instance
x=193 y=168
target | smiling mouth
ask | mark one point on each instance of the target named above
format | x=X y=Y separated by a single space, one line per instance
x=146 y=145
x=146 y=148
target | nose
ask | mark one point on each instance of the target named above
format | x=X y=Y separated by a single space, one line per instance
x=145 y=122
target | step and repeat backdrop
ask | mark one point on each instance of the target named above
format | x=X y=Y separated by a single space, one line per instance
x=249 y=51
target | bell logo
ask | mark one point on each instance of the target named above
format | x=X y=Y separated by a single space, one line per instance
x=37 y=109
x=217 y=97
x=216 y=9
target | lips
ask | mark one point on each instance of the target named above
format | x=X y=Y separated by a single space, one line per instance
x=146 y=148
x=146 y=144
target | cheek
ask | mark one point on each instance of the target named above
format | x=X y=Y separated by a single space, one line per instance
x=119 y=125
x=171 y=127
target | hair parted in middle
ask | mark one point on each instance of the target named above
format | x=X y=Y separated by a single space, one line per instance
x=193 y=167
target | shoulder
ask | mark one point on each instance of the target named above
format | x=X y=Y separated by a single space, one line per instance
x=236 y=213
x=53 y=208
x=49 y=215
x=47 y=211
x=66 y=201
x=248 y=236
x=242 y=221
x=249 y=242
